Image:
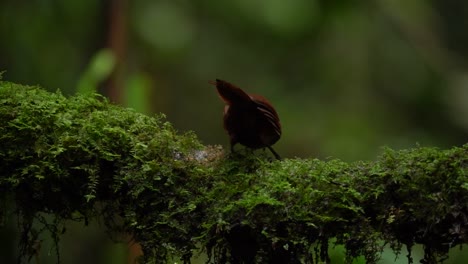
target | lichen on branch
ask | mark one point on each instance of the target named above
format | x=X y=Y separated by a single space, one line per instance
x=82 y=158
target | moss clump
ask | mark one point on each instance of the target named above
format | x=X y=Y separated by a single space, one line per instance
x=66 y=156
x=82 y=158
x=287 y=212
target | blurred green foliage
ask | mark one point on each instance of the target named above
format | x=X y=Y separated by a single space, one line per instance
x=345 y=76
x=98 y=70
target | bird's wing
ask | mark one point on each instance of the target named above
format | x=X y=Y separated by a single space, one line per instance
x=267 y=111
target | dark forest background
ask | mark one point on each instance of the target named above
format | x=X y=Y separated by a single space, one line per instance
x=346 y=77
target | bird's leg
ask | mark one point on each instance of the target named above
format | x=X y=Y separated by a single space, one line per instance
x=274 y=153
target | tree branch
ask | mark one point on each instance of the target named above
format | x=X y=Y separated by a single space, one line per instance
x=82 y=158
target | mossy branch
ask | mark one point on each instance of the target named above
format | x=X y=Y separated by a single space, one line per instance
x=83 y=158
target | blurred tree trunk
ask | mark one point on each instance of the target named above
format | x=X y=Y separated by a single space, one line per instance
x=117 y=43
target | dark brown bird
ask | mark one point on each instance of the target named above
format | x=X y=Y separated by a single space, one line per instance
x=248 y=119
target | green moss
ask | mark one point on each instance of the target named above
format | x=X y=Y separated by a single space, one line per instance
x=82 y=158
x=63 y=156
